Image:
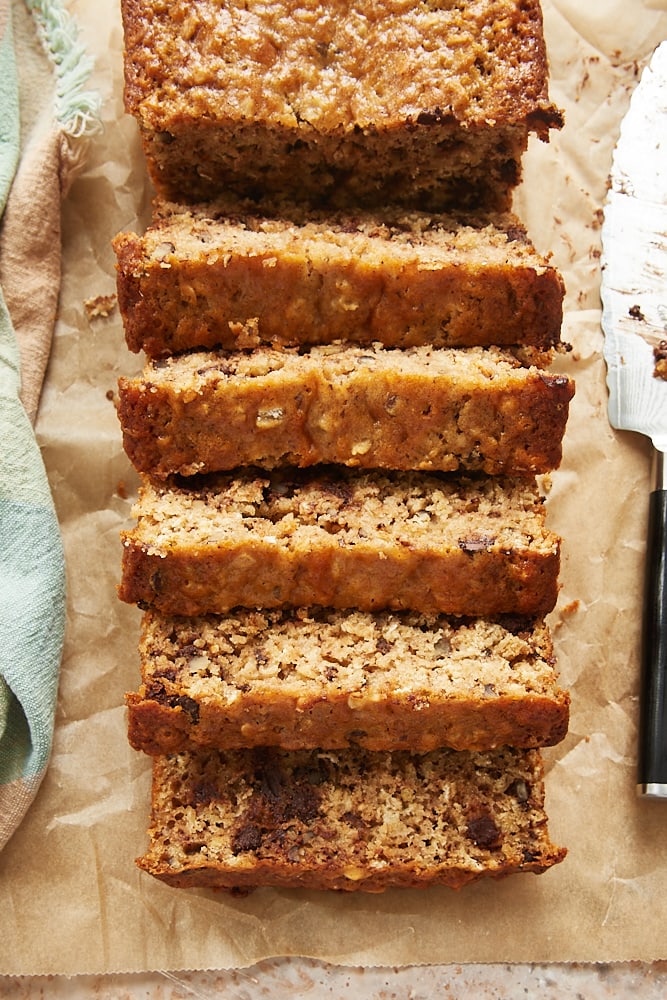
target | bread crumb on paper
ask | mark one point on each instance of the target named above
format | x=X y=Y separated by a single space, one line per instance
x=100 y=305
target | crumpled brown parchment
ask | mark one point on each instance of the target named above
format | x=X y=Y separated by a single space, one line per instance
x=73 y=901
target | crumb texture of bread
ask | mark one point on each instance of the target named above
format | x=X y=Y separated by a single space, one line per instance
x=341 y=539
x=318 y=678
x=348 y=820
x=416 y=102
x=223 y=275
x=414 y=409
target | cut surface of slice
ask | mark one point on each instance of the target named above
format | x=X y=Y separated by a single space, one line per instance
x=341 y=539
x=314 y=678
x=418 y=408
x=221 y=275
x=350 y=820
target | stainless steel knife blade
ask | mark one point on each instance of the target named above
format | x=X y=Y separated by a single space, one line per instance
x=634 y=320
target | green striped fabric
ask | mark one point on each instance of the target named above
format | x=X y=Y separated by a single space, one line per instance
x=32 y=563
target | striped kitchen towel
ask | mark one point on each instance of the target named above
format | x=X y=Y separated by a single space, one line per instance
x=38 y=139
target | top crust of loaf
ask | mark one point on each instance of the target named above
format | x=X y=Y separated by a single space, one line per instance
x=337 y=66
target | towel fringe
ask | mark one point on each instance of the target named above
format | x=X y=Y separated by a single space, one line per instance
x=77 y=110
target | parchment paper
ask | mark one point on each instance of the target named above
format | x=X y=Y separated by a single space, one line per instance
x=72 y=900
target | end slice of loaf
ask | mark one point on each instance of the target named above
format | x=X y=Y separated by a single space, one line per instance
x=349 y=820
x=418 y=408
x=427 y=104
x=316 y=677
x=214 y=275
x=341 y=539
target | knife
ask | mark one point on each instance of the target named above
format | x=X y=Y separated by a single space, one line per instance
x=634 y=321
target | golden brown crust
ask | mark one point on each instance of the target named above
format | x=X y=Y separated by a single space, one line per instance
x=208 y=277
x=420 y=722
x=320 y=678
x=347 y=820
x=421 y=408
x=198 y=874
x=351 y=109
x=253 y=575
x=369 y=69
x=341 y=540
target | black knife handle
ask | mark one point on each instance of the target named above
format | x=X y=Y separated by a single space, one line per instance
x=652 y=777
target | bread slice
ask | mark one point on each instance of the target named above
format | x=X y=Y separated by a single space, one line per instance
x=315 y=677
x=350 y=820
x=425 y=103
x=220 y=275
x=418 y=408
x=341 y=539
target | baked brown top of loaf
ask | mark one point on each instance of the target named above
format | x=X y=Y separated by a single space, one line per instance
x=340 y=66
x=350 y=820
x=419 y=408
x=342 y=539
x=315 y=677
x=224 y=275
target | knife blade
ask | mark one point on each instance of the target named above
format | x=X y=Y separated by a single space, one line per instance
x=634 y=321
